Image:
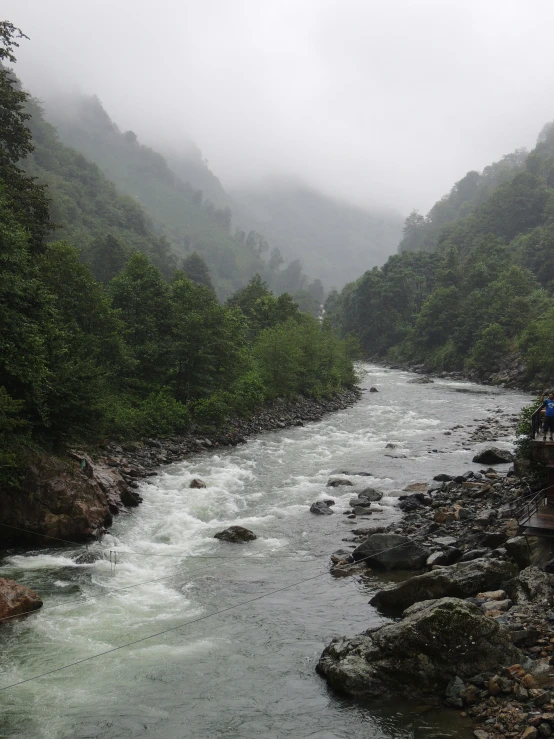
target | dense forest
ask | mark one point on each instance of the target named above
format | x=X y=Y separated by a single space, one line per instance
x=187 y=219
x=100 y=334
x=473 y=283
x=332 y=240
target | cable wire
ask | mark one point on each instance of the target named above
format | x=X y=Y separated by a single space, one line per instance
x=182 y=625
x=104 y=595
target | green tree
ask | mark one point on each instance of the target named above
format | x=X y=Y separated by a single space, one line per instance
x=208 y=342
x=27 y=200
x=489 y=350
x=107 y=256
x=142 y=297
x=197 y=270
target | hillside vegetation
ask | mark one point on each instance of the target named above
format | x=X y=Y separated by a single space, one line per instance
x=137 y=348
x=481 y=290
x=186 y=214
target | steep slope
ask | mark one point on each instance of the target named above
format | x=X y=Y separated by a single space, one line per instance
x=474 y=189
x=333 y=240
x=482 y=298
x=85 y=205
x=191 y=221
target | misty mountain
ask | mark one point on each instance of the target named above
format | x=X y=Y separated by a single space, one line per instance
x=474 y=189
x=84 y=205
x=335 y=241
x=189 y=164
x=191 y=221
x=479 y=295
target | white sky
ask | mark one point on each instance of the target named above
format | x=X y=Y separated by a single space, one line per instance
x=383 y=102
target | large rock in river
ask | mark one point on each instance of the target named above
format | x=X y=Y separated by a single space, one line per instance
x=391 y=552
x=461 y=580
x=236 y=534
x=436 y=641
x=493 y=455
x=16 y=599
x=72 y=499
x=321 y=508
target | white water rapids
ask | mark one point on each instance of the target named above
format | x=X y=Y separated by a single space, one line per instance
x=247 y=672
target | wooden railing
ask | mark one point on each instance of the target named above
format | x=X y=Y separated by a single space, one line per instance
x=530 y=507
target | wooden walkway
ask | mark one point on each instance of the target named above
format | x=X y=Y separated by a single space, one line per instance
x=539 y=523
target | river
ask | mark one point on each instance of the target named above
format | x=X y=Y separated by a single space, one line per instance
x=247 y=672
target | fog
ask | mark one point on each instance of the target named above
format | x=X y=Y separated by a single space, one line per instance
x=381 y=102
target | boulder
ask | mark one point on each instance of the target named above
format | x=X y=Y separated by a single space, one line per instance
x=425 y=380
x=460 y=580
x=532 y=585
x=370 y=494
x=493 y=455
x=335 y=482
x=341 y=555
x=445 y=541
x=518 y=550
x=88 y=558
x=391 y=552
x=444 y=557
x=435 y=642
x=454 y=691
x=373 y=390
x=409 y=504
x=197 y=483
x=72 y=499
x=320 y=508
x=236 y=534
x=16 y=599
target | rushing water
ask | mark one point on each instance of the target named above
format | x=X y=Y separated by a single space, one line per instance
x=248 y=671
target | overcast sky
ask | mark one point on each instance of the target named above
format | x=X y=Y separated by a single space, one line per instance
x=384 y=102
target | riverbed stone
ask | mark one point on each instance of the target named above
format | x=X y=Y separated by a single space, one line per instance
x=370 y=494
x=235 y=534
x=435 y=641
x=197 y=483
x=320 y=508
x=460 y=580
x=532 y=585
x=518 y=550
x=493 y=455
x=335 y=482
x=88 y=558
x=391 y=552
x=16 y=599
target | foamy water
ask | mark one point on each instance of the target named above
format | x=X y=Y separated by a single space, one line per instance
x=248 y=672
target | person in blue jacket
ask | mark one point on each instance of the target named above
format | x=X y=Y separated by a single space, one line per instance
x=548 y=405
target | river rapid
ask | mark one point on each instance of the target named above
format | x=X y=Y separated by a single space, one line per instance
x=249 y=671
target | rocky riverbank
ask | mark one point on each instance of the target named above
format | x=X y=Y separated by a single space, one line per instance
x=512 y=374
x=74 y=497
x=475 y=626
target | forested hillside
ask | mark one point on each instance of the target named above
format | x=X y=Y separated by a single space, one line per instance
x=333 y=240
x=186 y=214
x=85 y=205
x=138 y=348
x=423 y=232
x=483 y=288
